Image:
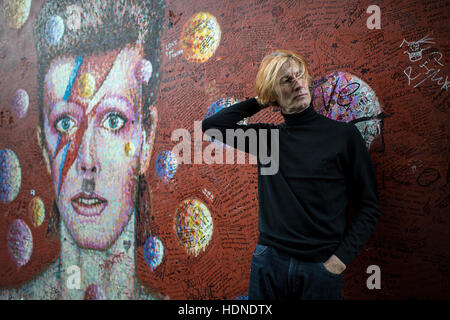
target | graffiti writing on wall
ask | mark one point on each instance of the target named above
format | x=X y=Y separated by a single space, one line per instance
x=415 y=52
x=345 y=97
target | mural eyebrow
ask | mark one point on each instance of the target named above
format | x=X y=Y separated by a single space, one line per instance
x=118 y=100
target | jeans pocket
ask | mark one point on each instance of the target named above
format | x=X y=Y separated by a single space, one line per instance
x=260 y=250
x=325 y=270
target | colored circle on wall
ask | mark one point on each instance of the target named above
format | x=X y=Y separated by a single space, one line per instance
x=144 y=71
x=345 y=97
x=220 y=104
x=20 y=103
x=74 y=15
x=153 y=252
x=20 y=242
x=193 y=226
x=10 y=175
x=54 y=30
x=200 y=37
x=36 y=210
x=129 y=148
x=86 y=86
x=215 y=107
x=16 y=12
x=166 y=165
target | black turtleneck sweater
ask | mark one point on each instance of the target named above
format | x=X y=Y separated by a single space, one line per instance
x=303 y=206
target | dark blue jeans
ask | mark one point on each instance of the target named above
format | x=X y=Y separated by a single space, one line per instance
x=277 y=276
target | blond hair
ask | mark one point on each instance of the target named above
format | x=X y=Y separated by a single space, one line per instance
x=266 y=83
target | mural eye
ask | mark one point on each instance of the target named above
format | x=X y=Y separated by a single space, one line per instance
x=114 y=121
x=65 y=124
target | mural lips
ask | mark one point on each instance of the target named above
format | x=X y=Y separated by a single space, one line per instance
x=89 y=205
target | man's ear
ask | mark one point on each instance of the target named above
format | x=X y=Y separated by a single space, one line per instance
x=148 y=141
x=274 y=97
x=274 y=102
x=41 y=142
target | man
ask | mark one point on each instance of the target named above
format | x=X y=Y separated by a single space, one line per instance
x=304 y=243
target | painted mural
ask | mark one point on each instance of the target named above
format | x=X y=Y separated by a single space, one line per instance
x=96 y=204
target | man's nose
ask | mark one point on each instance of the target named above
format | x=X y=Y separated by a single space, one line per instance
x=300 y=83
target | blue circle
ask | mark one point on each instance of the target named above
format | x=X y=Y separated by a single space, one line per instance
x=216 y=107
x=153 y=252
x=221 y=104
x=10 y=175
x=54 y=29
x=166 y=165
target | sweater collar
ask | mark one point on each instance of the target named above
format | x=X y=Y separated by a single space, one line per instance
x=302 y=117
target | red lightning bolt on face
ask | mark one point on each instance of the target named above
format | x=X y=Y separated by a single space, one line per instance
x=71 y=143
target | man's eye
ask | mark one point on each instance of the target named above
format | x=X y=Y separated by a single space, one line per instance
x=286 y=80
x=114 y=121
x=65 y=124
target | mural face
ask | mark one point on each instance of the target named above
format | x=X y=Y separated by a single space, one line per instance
x=95 y=137
x=97 y=120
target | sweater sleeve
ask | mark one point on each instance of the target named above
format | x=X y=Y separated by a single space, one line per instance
x=362 y=184
x=243 y=137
